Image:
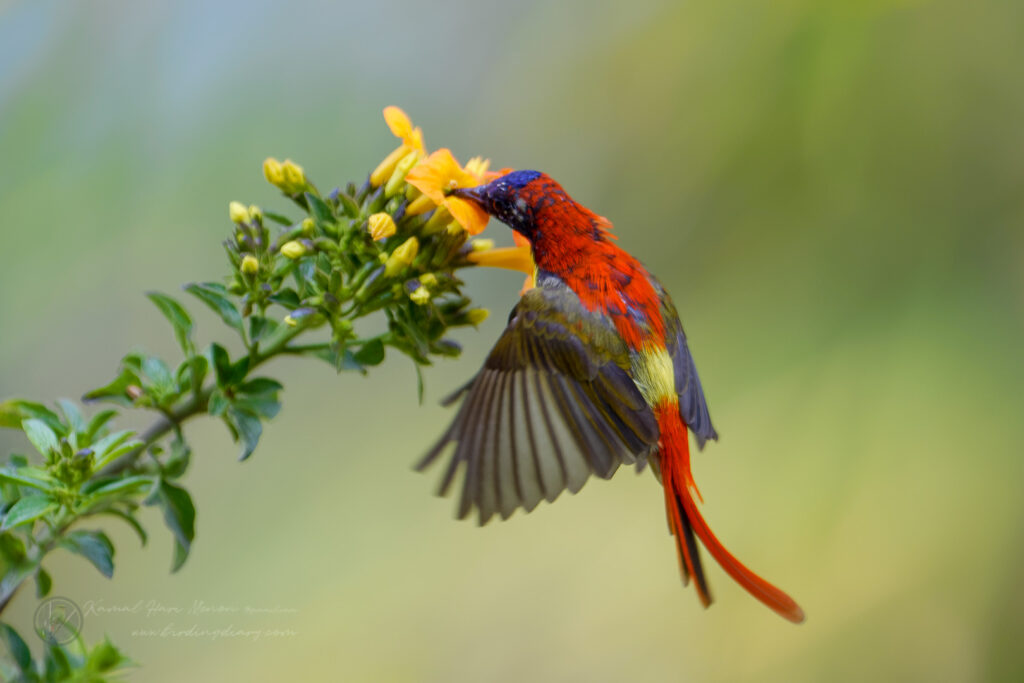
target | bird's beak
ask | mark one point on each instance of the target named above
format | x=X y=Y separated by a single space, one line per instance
x=470 y=193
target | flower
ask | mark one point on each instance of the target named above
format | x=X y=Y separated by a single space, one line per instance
x=518 y=258
x=293 y=249
x=420 y=295
x=401 y=257
x=412 y=141
x=250 y=266
x=381 y=225
x=440 y=173
x=287 y=177
x=475 y=316
x=238 y=212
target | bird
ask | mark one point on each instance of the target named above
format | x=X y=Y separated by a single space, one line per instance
x=592 y=372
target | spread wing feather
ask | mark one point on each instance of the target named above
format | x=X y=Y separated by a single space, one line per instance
x=553 y=403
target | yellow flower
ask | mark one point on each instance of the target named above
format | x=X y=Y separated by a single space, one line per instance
x=382 y=225
x=438 y=175
x=250 y=266
x=518 y=258
x=401 y=257
x=238 y=212
x=293 y=249
x=420 y=295
x=412 y=141
x=287 y=177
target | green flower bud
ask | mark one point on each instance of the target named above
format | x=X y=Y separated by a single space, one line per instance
x=238 y=212
x=250 y=266
x=401 y=257
x=293 y=249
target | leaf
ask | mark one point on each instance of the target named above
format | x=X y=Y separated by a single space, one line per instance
x=319 y=208
x=28 y=509
x=93 y=546
x=262 y=405
x=72 y=415
x=218 y=403
x=130 y=520
x=105 y=657
x=260 y=385
x=115 y=391
x=111 y=442
x=118 y=485
x=41 y=436
x=43 y=583
x=371 y=353
x=29 y=476
x=17 y=647
x=98 y=421
x=158 y=374
x=346 y=360
x=221 y=363
x=348 y=205
x=277 y=218
x=179 y=318
x=14 y=411
x=178 y=461
x=260 y=327
x=249 y=429
x=287 y=298
x=179 y=515
x=216 y=297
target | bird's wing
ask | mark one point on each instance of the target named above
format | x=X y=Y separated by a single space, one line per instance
x=552 y=403
x=692 y=405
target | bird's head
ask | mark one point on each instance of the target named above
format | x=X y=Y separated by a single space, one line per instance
x=516 y=199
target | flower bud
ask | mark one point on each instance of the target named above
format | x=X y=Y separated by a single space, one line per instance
x=475 y=316
x=249 y=266
x=419 y=205
x=382 y=225
x=293 y=249
x=386 y=167
x=238 y=212
x=273 y=171
x=402 y=257
x=420 y=295
x=429 y=280
x=308 y=227
x=294 y=177
x=482 y=245
x=402 y=169
x=256 y=213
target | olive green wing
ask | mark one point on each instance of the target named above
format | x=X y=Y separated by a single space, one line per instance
x=553 y=403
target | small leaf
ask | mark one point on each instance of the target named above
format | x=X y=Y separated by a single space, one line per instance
x=14 y=411
x=28 y=509
x=130 y=519
x=43 y=583
x=177 y=462
x=72 y=415
x=221 y=363
x=105 y=657
x=41 y=436
x=345 y=361
x=260 y=385
x=118 y=485
x=216 y=297
x=261 y=405
x=18 y=649
x=249 y=429
x=320 y=210
x=348 y=205
x=93 y=546
x=179 y=318
x=180 y=517
x=29 y=476
x=287 y=298
x=98 y=421
x=260 y=327
x=115 y=391
x=218 y=403
x=371 y=353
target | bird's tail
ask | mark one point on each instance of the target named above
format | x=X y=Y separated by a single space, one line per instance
x=686 y=521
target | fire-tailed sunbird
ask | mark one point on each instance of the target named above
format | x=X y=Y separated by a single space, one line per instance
x=593 y=371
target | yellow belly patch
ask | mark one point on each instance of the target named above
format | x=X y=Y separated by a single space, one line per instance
x=654 y=375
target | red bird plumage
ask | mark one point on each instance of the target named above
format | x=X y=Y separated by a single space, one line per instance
x=592 y=372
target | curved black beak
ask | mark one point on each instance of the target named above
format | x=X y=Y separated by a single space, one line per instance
x=470 y=193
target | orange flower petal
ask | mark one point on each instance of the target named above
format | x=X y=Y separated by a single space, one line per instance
x=398 y=121
x=509 y=258
x=468 y=214
x=520 y=240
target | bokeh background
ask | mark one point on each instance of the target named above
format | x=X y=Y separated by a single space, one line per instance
x=833 y=193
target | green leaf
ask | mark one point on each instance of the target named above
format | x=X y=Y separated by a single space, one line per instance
x=221 y=363
x=344 y=361
x=116 y=390
x=348 y=205
x=260 y=327
x=98 y=421
x=130 y=519
x=118 y=485
x=191 y=373
x=105 y=657
x=158 y=374
x=43 y=583
x=29 y=476
x=18 y=649
x=288 y=298
x=260 y=385
x=218 y=403
x=14 y=411
x=28 y=509
x=277 y=218
x=93 y=546
x=371 y=353
x=41 y=436
x=179 y=318
x=263 y=405
x=101 y=449
x=248 y=427
x=216 y=297
x=177 y=462
x=321 y=212
x=180 y=517
x=72 y=415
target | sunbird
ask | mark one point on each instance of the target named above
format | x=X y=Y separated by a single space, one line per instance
x=592 y=372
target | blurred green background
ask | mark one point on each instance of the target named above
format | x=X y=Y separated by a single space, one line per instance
x=833 y=193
